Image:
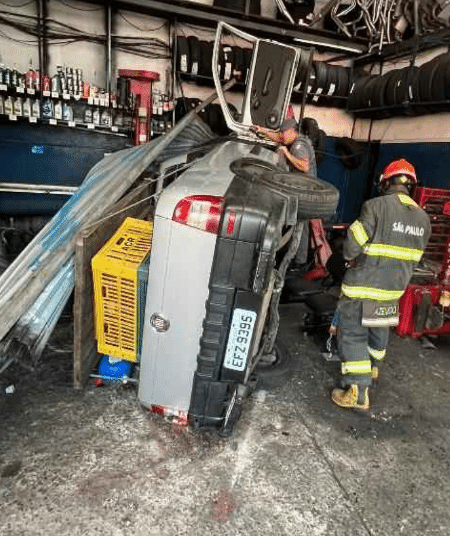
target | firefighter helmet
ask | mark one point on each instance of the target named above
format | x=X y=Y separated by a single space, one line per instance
x=398 y=172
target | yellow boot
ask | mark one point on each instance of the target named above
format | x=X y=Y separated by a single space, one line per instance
x=356 y=397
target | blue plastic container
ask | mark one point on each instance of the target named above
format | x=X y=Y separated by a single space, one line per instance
x=112 y=369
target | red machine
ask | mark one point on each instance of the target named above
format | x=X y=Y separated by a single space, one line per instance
x=141 y=86
x=425 y=305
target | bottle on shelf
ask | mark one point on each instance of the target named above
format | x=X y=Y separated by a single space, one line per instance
x=56 y=84
x=96 y=116
x=58 y=110
x=36 y=108
x=9 y=105
x=2 y=105
x=18 y=106
x=29 y=76
x=27 y=105
x=46 y=83
x=2 y=73
x=48 y=111
x=88 y=114
x=20 y=82
x=14 y=77
x=67 y=112
x=105 y=118
x=37 y=80
x=7 y=77
x=118 y=118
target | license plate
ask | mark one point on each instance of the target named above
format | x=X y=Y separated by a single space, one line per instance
x=239 y=339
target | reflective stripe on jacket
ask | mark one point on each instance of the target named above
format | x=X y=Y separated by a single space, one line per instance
x=388 y=240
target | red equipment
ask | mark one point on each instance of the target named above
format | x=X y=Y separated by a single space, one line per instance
x=321 y=247
x=141 y=86
x=425 y=307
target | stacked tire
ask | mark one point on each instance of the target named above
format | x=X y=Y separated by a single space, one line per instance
x=411 y=90
x=328 y=85
x=212 y=114
x=194 y=59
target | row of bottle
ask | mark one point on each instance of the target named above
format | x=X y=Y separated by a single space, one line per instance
x=20 y=107
x=64 y=111
x=66 y=81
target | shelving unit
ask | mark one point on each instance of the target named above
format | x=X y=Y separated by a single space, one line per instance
x=76 y=101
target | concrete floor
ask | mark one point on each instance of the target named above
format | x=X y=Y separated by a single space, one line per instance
x=96 y=463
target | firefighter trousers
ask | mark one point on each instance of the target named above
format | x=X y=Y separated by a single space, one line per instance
x=360 y=347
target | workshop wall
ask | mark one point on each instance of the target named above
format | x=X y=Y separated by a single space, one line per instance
x=423 y=138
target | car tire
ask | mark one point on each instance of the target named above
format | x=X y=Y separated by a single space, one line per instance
x=316 y=198
x=279 y=366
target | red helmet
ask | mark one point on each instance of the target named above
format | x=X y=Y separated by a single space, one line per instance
x=401 y=170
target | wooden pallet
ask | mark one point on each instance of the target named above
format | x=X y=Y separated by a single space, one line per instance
x=88 y=242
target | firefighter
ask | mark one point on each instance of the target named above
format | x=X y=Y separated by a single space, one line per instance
x=381 y=249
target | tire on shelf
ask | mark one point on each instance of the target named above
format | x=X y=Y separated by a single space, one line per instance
x=390 y=88
x=183 y=61
x=333 y=89
x=439 y=77
x=194 y=53
x=239 y=65
x=320 y=82
x=205 y=63
x=356 y=92
x=227 y=65
x=446 y=68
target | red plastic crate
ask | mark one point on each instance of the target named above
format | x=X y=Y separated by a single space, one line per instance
x=435 y=202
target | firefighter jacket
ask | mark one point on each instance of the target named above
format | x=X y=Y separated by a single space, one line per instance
x=387 y=241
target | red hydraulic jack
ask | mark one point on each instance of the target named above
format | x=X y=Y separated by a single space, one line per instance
x=141 y=87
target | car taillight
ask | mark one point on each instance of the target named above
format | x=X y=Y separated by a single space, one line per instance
x=200 y=211
x=178 y=417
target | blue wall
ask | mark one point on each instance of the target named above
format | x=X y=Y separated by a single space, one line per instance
x=431 y=160
x=44 y=154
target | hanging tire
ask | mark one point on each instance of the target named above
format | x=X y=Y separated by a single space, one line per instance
x=350 y=152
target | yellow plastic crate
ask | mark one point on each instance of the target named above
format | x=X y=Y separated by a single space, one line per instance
x=120 y=272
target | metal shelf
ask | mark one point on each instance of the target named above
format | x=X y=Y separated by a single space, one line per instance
x=209 y=16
